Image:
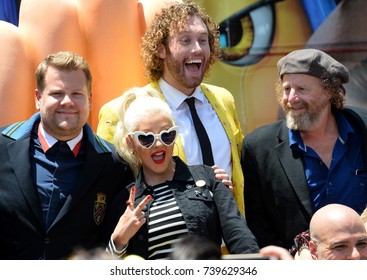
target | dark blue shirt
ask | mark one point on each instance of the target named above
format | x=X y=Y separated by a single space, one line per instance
x=345 y=181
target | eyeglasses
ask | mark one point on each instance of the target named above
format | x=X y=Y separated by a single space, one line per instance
x=148 y=139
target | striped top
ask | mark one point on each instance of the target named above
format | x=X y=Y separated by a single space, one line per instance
x=165 y=224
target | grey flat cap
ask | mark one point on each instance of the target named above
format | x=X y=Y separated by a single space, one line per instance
x=312 y=62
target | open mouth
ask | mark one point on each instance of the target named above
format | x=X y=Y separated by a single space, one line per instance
x=159 y=157
x=193 y=65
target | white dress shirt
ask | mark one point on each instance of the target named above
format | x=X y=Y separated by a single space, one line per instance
x=182 y=117
x=50 y=140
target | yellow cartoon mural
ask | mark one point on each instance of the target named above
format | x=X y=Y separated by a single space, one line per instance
x=254 y=35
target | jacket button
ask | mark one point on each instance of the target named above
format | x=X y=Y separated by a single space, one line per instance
x=140 y=237
x=46 y=240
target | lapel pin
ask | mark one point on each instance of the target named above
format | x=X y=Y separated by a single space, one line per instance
x=200 y=183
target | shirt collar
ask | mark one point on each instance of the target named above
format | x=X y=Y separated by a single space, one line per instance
x=47 y=141
x=344 y=127
x=345 y=130
x=175 y=97
x=295 y=140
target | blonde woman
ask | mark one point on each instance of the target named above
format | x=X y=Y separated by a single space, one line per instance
x=169 y=198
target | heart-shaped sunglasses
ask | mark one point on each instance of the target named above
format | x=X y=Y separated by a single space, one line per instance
x=148 y=139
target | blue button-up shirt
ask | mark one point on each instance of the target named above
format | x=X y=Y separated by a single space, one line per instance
x=345 y=181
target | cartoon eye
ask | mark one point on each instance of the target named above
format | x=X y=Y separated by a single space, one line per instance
x=246 y=37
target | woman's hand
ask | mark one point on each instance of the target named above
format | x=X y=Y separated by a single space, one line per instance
x=130 y=222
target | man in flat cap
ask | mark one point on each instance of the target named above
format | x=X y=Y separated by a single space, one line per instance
x=315 y=156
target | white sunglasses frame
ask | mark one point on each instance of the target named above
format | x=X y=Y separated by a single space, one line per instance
x=138 y=133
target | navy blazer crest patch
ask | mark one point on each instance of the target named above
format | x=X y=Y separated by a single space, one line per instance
x=99 y=208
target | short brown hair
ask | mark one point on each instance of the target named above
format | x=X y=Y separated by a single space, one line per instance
x=68 y=61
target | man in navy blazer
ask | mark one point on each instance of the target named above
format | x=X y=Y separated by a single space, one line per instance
x=58 y=180
x=313 y=157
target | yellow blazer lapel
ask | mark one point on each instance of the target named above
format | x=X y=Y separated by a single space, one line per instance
x=220 y=109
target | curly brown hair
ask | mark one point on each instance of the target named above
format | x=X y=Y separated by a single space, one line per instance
x=164 y=25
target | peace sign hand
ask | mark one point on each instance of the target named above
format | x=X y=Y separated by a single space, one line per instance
x=130 y=222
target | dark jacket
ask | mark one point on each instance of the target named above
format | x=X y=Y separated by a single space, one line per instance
x=83 y=220
x=276 y=193
x=209 y=211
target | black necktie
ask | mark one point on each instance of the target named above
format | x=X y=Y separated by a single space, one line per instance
x=61 y=147
x=206 y=148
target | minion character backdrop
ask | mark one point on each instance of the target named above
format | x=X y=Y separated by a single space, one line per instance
x=254 y=35
x=106 y=32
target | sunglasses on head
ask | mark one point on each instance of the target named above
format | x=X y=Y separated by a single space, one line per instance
x=148 y=139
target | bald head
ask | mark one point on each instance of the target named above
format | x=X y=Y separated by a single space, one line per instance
x=336 y=217
x=337 y=232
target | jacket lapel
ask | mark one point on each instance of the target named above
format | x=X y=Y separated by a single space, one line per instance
x=293 y=167
x=19 y=157
x=220 y=111
x=358 y=117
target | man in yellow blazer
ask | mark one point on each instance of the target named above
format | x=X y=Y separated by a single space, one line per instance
x=177 y=50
